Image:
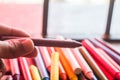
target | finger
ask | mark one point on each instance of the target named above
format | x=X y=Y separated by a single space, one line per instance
x=31 y=55
x=15 y=48
x=9 y=31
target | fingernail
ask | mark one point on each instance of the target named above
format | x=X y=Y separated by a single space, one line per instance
x=32 y=54
x=27 y=45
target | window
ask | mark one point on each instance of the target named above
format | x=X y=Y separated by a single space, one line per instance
x=80 y=19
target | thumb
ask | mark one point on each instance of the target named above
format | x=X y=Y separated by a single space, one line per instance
x=15 y=48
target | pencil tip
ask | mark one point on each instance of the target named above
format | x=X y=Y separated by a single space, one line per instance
x=94 y=78
x=63 y=76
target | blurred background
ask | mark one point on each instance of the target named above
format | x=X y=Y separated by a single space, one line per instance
x=76 y=19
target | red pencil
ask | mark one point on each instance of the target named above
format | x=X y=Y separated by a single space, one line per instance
x=62 y=73
x=109 y=58
x=30 y=61
x=106 y=73
x=115 y=73
x=15 y=69
x=24 y=68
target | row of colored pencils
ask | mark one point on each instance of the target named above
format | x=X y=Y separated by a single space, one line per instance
x=94 y=60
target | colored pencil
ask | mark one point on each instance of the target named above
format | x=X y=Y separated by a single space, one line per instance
x=46 y=57
x=48 y=42
x=66 y=65
x=15 y=69
x=99 y=58
x=81 y=77
x=92 y=63
x=107 y=74
x=109 y=58
x=5 y=68
x=54 y=73
x=87 y=71
x=108 y=45
x=68 y=54
x=41 y=66
x=62 y=72
x=34 y=73
x=112 y=54
x=30 y=61
x=24 y=68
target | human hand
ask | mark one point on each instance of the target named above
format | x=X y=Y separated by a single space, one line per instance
x=14 y=48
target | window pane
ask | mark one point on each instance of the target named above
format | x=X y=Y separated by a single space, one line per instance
x=115 y=24
x=77 y=18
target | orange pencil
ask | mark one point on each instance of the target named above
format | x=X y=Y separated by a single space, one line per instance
x=46 y=57
x=85 y=67
x=73 y=62
x=62 y=73
x=54 y=73
x=66 y=65
x=69 y=55
x=109 y=58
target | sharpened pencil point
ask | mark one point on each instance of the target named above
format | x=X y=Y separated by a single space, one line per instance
x=94 y=78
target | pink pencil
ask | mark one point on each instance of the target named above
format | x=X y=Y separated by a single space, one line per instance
x=46 y=57
x=24 y=68
x=85 y=67
x=30 y=61
x=15 y=69
x=7 y=65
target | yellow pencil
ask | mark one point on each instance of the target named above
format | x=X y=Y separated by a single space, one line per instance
x=54 y=73
x=34 y=73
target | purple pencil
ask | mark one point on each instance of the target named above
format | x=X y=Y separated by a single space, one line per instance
x=108 y=45
x=112 y=54
x=40 y=64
